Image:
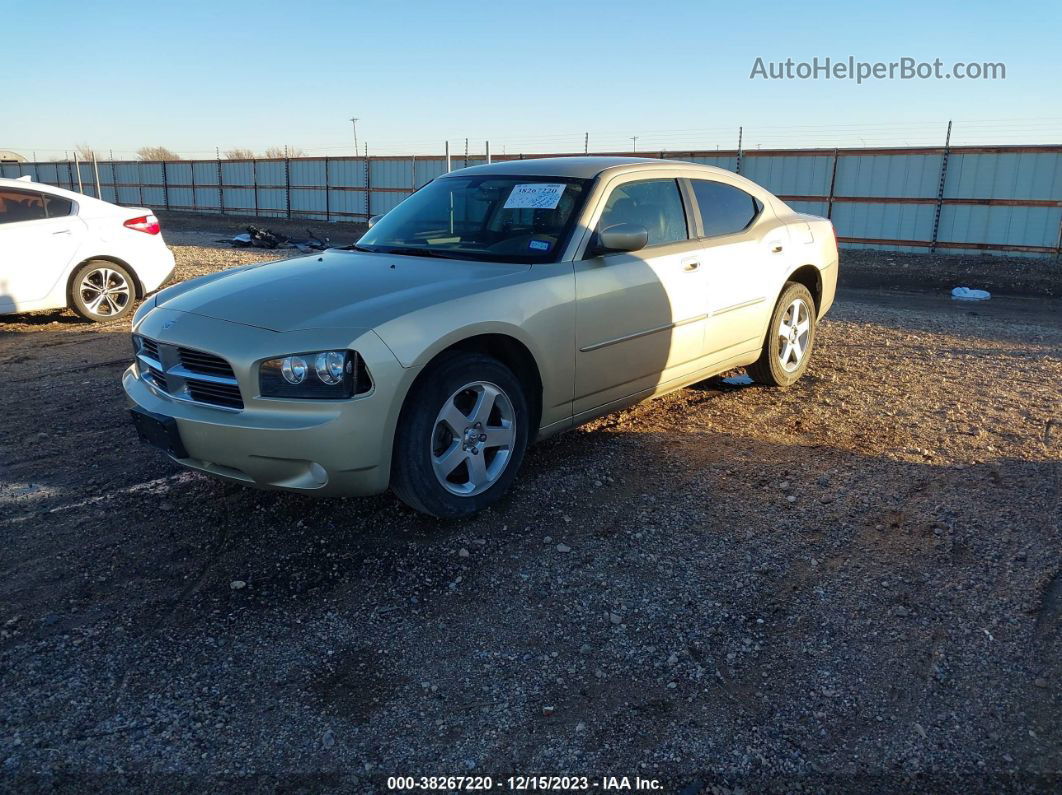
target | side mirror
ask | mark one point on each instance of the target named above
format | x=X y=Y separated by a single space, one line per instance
x=373 y=220
x=621 y=237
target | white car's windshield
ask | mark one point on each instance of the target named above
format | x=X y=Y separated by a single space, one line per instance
x=493 y=218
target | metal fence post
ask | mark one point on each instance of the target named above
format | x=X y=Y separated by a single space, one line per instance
x=833 y=183
x=368 y=185
x=413 y=175
x=165 y=186
x=191 y=175
x=486 y=145
x=140 y=183
x=96 y=175
x=287 y=187
x=254 y=182
x=741 y=131
x=80 y=187
x=221 y=188
x=447 y=157
x=940 y=190
x=328 y=198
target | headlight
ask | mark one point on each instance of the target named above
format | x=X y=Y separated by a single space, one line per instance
x=328 y=375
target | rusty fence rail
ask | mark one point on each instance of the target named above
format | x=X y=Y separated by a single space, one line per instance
x=995 y=199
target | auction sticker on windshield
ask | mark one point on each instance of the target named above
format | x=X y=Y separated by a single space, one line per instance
x=535 y=196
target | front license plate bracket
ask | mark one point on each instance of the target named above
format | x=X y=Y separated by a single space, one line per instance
x=159 y=431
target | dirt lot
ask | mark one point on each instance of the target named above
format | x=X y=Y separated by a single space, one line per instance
x=852 y=583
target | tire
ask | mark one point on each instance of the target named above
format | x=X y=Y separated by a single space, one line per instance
x=446 y=465
x=102 y=291
x=785 y=357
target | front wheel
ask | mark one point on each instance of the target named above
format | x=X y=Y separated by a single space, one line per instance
x=461 y=436
x=790 y=339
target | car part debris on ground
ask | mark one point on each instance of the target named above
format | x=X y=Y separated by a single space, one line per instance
x=257 y=237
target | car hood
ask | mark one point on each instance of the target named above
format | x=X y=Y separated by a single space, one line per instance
x=334 y=289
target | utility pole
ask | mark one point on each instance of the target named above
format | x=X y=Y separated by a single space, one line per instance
x=634 y=140
x=354 y=122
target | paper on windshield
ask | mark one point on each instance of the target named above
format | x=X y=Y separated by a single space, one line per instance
x=535 y=196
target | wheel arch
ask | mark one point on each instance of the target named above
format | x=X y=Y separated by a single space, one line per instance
x=811 y=277
x=510 y=351
x=138 y=287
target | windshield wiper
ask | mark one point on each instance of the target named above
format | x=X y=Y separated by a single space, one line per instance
x=418 y=252
x=356 y=247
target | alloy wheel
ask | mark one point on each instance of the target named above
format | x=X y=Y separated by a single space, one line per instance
x=104 y=292
x=794 y=335
x=473 y=438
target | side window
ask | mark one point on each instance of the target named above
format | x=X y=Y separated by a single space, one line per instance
x=724 y=208
x=652 y=203
x=17 y=205
x=56 y=205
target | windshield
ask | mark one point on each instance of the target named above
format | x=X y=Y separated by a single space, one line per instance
x=494 y=218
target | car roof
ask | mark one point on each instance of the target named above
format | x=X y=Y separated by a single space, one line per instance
x=580 y=167
x=86 y=204
x=44 y=187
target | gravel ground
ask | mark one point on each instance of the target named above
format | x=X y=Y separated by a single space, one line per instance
x=855 y=583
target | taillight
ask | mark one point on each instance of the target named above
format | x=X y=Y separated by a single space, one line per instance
x=148 y=224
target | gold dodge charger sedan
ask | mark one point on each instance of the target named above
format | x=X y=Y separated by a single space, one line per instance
x=497 y=305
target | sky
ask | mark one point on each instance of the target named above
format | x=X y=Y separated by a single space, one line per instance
x=527 y=76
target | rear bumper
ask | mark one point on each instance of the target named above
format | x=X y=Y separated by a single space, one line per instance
x=156 y=273
x=829 y=287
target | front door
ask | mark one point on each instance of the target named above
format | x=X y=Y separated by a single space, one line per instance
x=640 y=315
x=35 y=249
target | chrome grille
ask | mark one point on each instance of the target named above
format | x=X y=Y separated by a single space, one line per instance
x=188 y=374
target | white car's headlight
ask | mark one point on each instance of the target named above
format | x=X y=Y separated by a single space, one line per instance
x=321 y=375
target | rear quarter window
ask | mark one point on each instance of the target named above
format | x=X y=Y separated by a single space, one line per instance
x=57 y=206
x=725 y=210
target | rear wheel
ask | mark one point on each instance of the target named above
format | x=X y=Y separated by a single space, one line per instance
x=461 y=436
x=790 y=339
x=102 y=290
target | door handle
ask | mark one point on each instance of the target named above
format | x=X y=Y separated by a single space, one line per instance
x=776 y=248
x=691 y=265
x=62 y=232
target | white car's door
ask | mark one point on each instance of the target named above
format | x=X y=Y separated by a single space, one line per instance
x=742 y=247
x=38 y=239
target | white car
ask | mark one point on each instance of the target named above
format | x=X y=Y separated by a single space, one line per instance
x=62 y=249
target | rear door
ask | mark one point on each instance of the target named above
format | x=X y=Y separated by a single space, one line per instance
x=39 y=237
x=742 y=245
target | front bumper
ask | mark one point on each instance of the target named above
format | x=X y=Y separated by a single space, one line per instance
x=340 y=447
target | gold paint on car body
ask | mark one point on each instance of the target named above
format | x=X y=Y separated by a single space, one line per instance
x=603 y=331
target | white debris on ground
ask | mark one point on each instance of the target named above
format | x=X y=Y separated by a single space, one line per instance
x=968 y=294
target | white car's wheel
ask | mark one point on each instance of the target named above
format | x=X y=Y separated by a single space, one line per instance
x=102 y=290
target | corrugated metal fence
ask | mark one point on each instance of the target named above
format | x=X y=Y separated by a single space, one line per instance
x=1001 y=199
